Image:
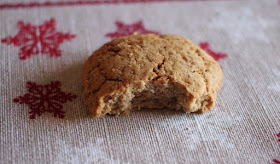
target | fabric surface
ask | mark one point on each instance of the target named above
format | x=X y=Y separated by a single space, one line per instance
x=44 y=120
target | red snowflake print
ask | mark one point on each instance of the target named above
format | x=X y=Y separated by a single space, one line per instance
x=32 y=39
x=128 y=29
x=45 y=98
x=275 y=161
x=216 y=55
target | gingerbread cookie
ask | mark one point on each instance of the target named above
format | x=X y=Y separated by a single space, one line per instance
x=150 y=71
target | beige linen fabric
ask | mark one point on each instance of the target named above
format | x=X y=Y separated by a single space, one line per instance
x=242 y=128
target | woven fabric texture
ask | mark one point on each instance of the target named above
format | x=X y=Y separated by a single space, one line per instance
x=43 y=45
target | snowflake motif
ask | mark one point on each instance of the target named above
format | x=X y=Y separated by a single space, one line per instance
x=276 y=85
x=276 y=161
x=216 y=55
x=128 y=29
x=33 y=39
x=45 y=98
x=93 y=152
x=211 y=123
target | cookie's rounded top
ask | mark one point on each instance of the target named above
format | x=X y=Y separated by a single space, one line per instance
x=138 y=59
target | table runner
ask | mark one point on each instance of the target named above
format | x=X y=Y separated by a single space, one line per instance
x=45 y=43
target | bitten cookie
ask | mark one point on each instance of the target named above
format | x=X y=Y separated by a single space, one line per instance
x=150 y=71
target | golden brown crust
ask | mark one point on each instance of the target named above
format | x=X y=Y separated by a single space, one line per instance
x=130 y=61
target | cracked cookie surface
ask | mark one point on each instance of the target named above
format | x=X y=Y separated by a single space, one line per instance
x=150 y=71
